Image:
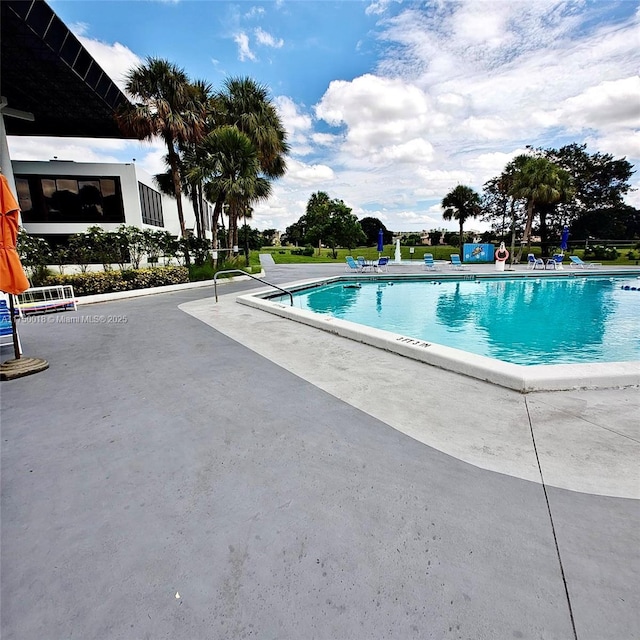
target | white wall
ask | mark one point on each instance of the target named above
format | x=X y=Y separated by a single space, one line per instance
x=129 y=175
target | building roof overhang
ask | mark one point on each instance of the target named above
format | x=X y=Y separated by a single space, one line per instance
x=45 y=71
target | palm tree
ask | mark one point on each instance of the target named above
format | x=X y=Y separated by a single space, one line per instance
x=461 y=204
x=233 y=167
x=244 y=104
x=538 y=181
x=166 y=105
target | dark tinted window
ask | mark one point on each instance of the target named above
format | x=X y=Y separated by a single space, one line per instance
x=150 y=205
x=70 y=199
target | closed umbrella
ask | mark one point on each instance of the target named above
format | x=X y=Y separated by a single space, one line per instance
x=12 y=278
x=564 y=239
x=380 y=242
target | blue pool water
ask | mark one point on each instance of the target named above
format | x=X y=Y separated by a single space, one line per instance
x=524 y=321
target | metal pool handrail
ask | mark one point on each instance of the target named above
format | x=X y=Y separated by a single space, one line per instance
x=244 y=273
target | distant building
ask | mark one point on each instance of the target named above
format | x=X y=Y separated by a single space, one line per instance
x=59 y=198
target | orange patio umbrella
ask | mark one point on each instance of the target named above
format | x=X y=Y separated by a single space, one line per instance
x=12 y=277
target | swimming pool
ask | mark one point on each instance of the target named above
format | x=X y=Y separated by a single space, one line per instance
x=566 y=333
x=523 y=321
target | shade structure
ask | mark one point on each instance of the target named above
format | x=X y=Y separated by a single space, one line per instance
x=380 y=241
x=564 y=239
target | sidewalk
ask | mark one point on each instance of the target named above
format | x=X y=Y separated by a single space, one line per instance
x=170 y=477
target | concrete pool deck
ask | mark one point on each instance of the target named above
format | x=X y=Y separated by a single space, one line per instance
x=207 y=471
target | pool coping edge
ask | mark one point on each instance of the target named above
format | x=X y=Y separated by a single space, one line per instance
x=525 y=379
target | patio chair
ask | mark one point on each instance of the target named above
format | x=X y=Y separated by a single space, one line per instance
x=456 y=263
x=382 y=264
x=534 y=263
x=580 y=264
x=352 y=265
x=429 y=263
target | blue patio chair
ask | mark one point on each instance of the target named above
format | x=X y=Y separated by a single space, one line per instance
x=555 y=262
x=382 y=263
x=429 y=263
x=580 y=264
x=352 y=265
x=456 y=263
x=534 y=263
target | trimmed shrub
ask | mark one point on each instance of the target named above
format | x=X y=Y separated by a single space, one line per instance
x=600 y=252
x=86 y=284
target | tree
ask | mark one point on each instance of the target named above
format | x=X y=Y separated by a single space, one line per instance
x=621 y=223
x=600 y=183
x=168 y=106
x=461 y=204
x=538 y=181
x=234 y=169
x=244 y=104
x=434 y=237
x=34 y=253
x=497 y=203
x=330 y=222
x=371 y=228
x=295 y=233
x=268 y=237
x=254 y=238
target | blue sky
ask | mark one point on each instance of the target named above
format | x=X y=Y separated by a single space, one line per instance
x=388 y=104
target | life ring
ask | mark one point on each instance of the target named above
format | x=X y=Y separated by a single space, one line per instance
x=502 y=255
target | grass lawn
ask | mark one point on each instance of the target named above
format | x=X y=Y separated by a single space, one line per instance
x=282 y=255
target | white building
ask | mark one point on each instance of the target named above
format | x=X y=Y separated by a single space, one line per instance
x=59 y=198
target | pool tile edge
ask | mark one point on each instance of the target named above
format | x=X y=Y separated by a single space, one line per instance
x=512 y=376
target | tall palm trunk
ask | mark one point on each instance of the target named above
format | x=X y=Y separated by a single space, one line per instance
x=196 y=202
x=461 y=239
x=526 y=238
x=217 y=211
x=175 y=177
x=529 y=225
x=513 y=232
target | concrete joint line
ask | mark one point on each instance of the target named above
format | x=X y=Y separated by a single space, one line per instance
x=553 y=528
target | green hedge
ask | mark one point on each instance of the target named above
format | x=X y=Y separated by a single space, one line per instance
x=86 y=284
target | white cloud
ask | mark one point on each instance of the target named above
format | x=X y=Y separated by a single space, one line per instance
x=267 y=40
x=377 y=7
x=298 y=125
x=383 y=117
x=293 y=119
x=255 y=12
x=299 y=173
x=413 y=151
x=244 y=51
x=617 y=143
x=325 y=139
x=609 y=103
x=76 y=149
x=488 y=165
